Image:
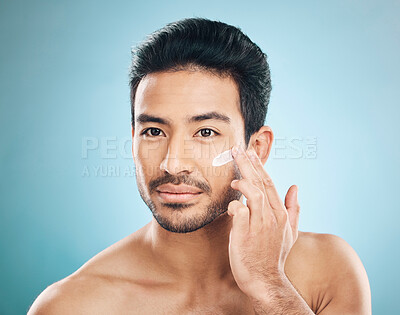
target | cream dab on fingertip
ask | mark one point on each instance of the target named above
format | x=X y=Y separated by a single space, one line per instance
x=223 y=158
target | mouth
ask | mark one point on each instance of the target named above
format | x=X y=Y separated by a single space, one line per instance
x=177 y=197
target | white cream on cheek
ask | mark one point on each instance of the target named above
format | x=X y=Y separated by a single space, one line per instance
x=223 y=158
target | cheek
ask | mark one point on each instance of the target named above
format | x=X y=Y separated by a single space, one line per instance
x=220 y=173
x=205 y=154
x=149 y=151
x=220 y=177
x=147 y=163
x=146 y=150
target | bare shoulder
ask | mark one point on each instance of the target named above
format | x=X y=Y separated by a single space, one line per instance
x=89 y=293
x=101 y=286
x=72 y=295
x=329 y=255
x=331 y=274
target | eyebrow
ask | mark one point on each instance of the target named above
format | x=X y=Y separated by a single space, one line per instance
x=144 y=118
x=209 y=115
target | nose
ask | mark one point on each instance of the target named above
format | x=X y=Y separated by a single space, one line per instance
x=177 y=160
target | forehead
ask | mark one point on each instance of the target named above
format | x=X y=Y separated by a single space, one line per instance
x=185 y=93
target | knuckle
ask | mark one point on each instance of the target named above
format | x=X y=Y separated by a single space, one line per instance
x=258 y=194
x=257 y=182
x=268 y=182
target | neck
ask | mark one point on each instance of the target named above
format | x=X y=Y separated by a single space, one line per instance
x=197 y=258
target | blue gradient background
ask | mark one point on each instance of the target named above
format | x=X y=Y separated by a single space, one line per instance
x=64 y=76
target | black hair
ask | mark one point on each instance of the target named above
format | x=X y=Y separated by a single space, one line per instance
x=212 y=46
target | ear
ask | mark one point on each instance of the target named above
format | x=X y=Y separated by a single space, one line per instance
x=262 y=142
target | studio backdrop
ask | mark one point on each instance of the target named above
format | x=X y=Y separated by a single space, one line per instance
x=67 y=183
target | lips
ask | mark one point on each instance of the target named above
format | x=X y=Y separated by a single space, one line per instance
x=178 y=189
x=178 y=193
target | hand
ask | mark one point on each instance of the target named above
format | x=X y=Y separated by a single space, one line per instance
x=264 y=231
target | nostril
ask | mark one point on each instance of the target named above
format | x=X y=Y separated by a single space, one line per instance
x=175 y=165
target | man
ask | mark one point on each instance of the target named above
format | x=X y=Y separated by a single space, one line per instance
x=199 y=88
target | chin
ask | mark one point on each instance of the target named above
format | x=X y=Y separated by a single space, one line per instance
x=182 y=220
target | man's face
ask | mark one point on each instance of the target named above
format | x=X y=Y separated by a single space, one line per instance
x=175 y=140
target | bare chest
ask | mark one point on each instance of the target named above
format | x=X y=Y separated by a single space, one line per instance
x=163 y=301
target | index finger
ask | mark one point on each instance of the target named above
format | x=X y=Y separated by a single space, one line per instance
x=245 y=166
x=272 y=194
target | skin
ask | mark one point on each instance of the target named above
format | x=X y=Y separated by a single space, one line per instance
x=250 y=259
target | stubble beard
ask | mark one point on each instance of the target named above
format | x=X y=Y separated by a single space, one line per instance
x=183 y=223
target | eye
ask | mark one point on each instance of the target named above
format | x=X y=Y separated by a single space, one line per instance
x=207 y=133
x=154 y=132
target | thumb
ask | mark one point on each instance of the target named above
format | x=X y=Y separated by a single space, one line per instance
x=293 y=206
x=291 y=197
